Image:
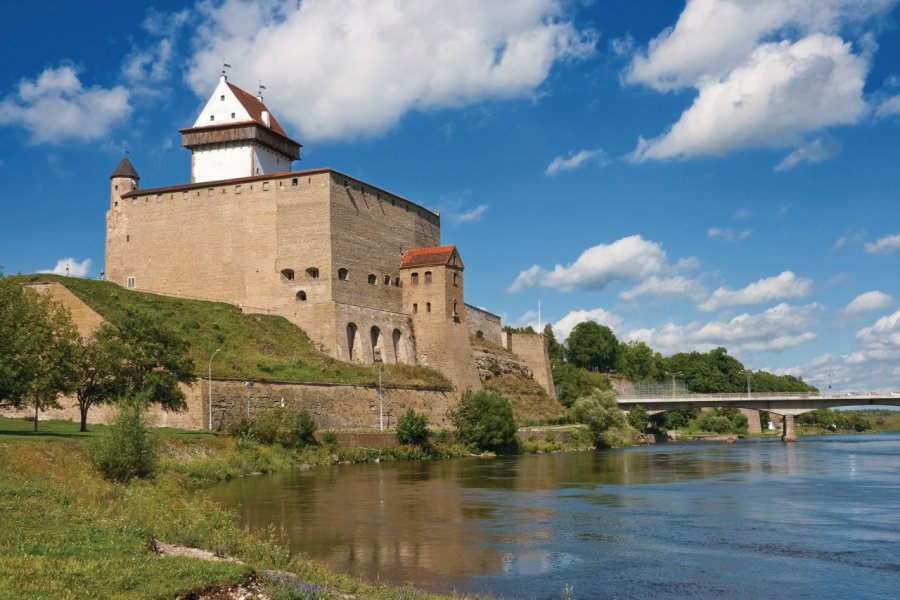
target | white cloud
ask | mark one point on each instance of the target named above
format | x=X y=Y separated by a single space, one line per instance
x=816 y=151
x=886 y=245
x=563 y=327
x=742 y=214
x=714 y=37
x=889 y=107
x=867 y=302
x=338 y=68
x=628 y=259
x=55 y=107
x=677 y=286
x=780 y=93
x=785 y=285
x=70 y=266
x=471 y=215
x=728 y=235
x=574 y=160
x=150 y=65
x=782 y=326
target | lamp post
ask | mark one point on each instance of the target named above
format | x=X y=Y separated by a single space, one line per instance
x=380 y=399
x=209 y=382
x=749 y=376
x=672 y=375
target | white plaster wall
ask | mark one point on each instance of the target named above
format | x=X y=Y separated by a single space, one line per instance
x=220 y=109
x=222 y=163
x=267 y=161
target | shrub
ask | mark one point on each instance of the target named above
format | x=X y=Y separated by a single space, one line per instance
x=128 y=449
x=329 y=438
x=722 y=420
x=638 y=418
x=287 y=427
x=485 y=421
x=600 y=412
x=412 y=428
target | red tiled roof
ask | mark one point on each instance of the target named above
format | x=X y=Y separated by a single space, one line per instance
x=256 y=108
x=427 y=257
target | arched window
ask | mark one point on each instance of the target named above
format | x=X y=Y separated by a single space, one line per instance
x=396 y=282
x=427 y=276
x=377 y=354
x=387 y=280
x=414 y=279
x=343 y=274
x=399 y=349
x=312 y=272
x=455 y=279
x=301 y=296
x=287 y=274
x=373 y=279
x=455 y=312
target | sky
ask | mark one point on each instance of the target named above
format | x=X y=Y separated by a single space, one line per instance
x=692 y=174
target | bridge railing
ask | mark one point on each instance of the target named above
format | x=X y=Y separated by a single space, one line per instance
x=714 y=397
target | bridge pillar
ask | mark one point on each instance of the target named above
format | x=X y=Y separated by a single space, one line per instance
x=787 y=431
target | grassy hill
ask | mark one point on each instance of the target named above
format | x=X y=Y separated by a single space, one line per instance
x=258 y=347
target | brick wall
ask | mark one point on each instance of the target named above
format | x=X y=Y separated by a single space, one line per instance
x=487 y=323
x=532 y=348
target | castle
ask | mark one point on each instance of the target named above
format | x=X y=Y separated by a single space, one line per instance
x=361 y=270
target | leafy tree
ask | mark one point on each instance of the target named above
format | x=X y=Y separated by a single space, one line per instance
x=98 y=361
x=674 y=419
x=154 y=360
x=285 y=426
x=722 y=420
x=592 y=346
x=637 y=361
x=485 y=421
x=573 y=383
x=555 y=350
x=412 y=428
x=638 y=417
x=600 y=412
x=37 y=348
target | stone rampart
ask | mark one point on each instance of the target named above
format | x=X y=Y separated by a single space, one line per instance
x=532 y=348
x=487 y=323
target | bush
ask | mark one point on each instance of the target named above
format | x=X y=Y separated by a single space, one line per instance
x=638 y=418
x=412 y=428
x=128 y=449
x=485 y=421
x=600 y=412
x=287 y=427
x=722 y=420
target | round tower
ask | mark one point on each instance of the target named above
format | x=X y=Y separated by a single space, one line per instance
x=123 y=179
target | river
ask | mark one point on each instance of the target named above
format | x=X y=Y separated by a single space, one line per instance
x=815 y=519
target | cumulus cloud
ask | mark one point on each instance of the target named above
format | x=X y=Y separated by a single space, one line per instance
x=728 y=235
x=782 y=326
x=56 y=107
x=563 y=327
x=629 y=259
x=343 y=67
x=867 y=302
x=671 y=287
x=888 y=107
x=785 y=285
x=574 y=160
x=886 y=245
x=70 y=266
x=780 y=93
x=816 y=151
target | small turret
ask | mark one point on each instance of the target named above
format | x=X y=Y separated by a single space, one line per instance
x=124 y=179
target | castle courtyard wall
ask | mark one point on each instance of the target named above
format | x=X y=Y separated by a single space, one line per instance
x=487 y=323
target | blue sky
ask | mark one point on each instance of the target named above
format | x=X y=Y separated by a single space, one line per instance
x=716 y=172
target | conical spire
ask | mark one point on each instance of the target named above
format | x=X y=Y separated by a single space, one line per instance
x=125 y=169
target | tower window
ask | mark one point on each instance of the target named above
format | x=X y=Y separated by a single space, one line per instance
x=396 y=282
x=301 y=296
x=237 y=189
x=373 y=279
x=222 y=97
x=343 y=274
x=130 y=283
x=184 y=195
x=414 y=279
x=428 y=307
x=209 y=191
x=265 y=186
x=415 y=308
x=287 y=274
x=313 y=272
x=387 y=280
x=427 y=276
x=456 y=280
x=212 y=117
x=295 y=182
x=232 y=115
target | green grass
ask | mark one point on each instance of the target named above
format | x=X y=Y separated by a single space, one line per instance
x=530 y=403
x=254 y=346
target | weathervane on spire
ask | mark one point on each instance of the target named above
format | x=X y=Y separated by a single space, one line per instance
x=225 y=65
x=259 y=95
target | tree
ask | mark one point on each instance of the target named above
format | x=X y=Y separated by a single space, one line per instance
x=37 y=353
x=573 y=383
x=485 y=421
x=98 y=359
x=637 y=361
x=638 y=417
x=600 y=412
x=555 y=350
x=412 y=428
x=592 y=346
x=154 y=360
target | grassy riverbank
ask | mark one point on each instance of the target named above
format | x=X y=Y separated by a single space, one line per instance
x=67 y=532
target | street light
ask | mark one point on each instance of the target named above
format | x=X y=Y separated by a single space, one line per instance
x=749 y=376
x=209 y=389
x=380 y=398
x=672 y=375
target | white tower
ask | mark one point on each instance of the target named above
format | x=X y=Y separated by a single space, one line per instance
x=236 y=136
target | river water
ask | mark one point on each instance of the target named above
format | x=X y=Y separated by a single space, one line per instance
x=816 y=519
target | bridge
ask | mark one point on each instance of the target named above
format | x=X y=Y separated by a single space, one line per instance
x=786 y=404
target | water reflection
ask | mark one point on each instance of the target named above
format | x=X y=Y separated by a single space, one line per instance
x=673 y=518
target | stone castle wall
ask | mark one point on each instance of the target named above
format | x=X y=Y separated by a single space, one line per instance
x=532 y=348
x=487 y=323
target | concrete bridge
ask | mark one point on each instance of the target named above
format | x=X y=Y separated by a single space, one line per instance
x=786 y=404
